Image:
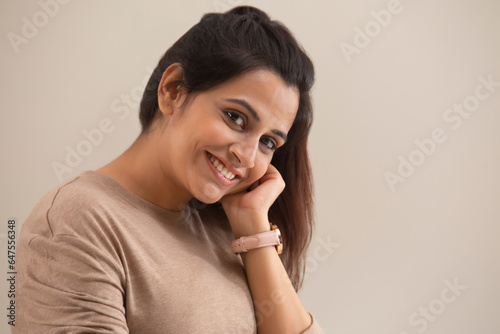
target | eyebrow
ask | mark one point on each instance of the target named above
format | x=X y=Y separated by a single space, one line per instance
x=247 y=106
x=255 y=115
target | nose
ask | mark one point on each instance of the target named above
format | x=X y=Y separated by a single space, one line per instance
x=245 y=152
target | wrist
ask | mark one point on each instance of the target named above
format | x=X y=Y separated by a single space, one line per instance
x=258 y=255
x=259 y=240
x=250 y=225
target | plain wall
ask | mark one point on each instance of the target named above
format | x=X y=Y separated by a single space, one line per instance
x=407 y=186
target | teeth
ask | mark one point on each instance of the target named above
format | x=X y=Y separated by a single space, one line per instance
x=221 y=168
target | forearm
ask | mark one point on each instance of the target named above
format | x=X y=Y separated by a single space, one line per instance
x=278 y=308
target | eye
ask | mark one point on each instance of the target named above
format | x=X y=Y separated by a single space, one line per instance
x=269 y=143
x=236 y=118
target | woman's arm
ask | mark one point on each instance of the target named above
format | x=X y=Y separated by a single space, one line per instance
x=277 y=307
x=67 y=285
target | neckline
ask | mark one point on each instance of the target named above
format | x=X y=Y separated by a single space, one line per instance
x=130 y=197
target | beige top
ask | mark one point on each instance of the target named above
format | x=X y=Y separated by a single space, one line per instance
x=94 y=258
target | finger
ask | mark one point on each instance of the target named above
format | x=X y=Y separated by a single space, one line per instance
x=271 y=174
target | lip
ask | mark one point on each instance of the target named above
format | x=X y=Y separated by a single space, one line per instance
x=218 y=175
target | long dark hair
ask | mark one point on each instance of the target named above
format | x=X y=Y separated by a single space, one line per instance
x=224 y=45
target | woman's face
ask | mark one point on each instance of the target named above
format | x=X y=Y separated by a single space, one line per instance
x=224 y=139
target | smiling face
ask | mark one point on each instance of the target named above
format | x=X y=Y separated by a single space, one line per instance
x=224 y=139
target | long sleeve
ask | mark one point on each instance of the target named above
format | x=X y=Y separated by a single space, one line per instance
x=67 y=285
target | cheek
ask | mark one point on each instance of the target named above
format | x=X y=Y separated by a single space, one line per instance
x=190 y=134
x=259 y=170
x=213 y=131
x=256 y=173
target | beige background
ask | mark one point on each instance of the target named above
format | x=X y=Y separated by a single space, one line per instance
x=383 y=257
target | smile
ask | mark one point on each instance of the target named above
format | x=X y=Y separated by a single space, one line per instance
x=219 y=165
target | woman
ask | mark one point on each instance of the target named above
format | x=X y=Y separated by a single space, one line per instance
x=147 y=243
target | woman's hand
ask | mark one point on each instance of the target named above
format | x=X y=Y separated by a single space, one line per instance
x=247 y=210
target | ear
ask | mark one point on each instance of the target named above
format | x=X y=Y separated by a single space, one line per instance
x=171 y=94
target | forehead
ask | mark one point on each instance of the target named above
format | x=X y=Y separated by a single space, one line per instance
x=266 y=92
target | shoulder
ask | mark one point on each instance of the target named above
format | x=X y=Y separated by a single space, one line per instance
x=76 y=205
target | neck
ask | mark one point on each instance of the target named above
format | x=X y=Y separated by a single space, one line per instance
x=139 y=170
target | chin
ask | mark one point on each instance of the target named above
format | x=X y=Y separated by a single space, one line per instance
x=209 y=194
x=207 y=200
